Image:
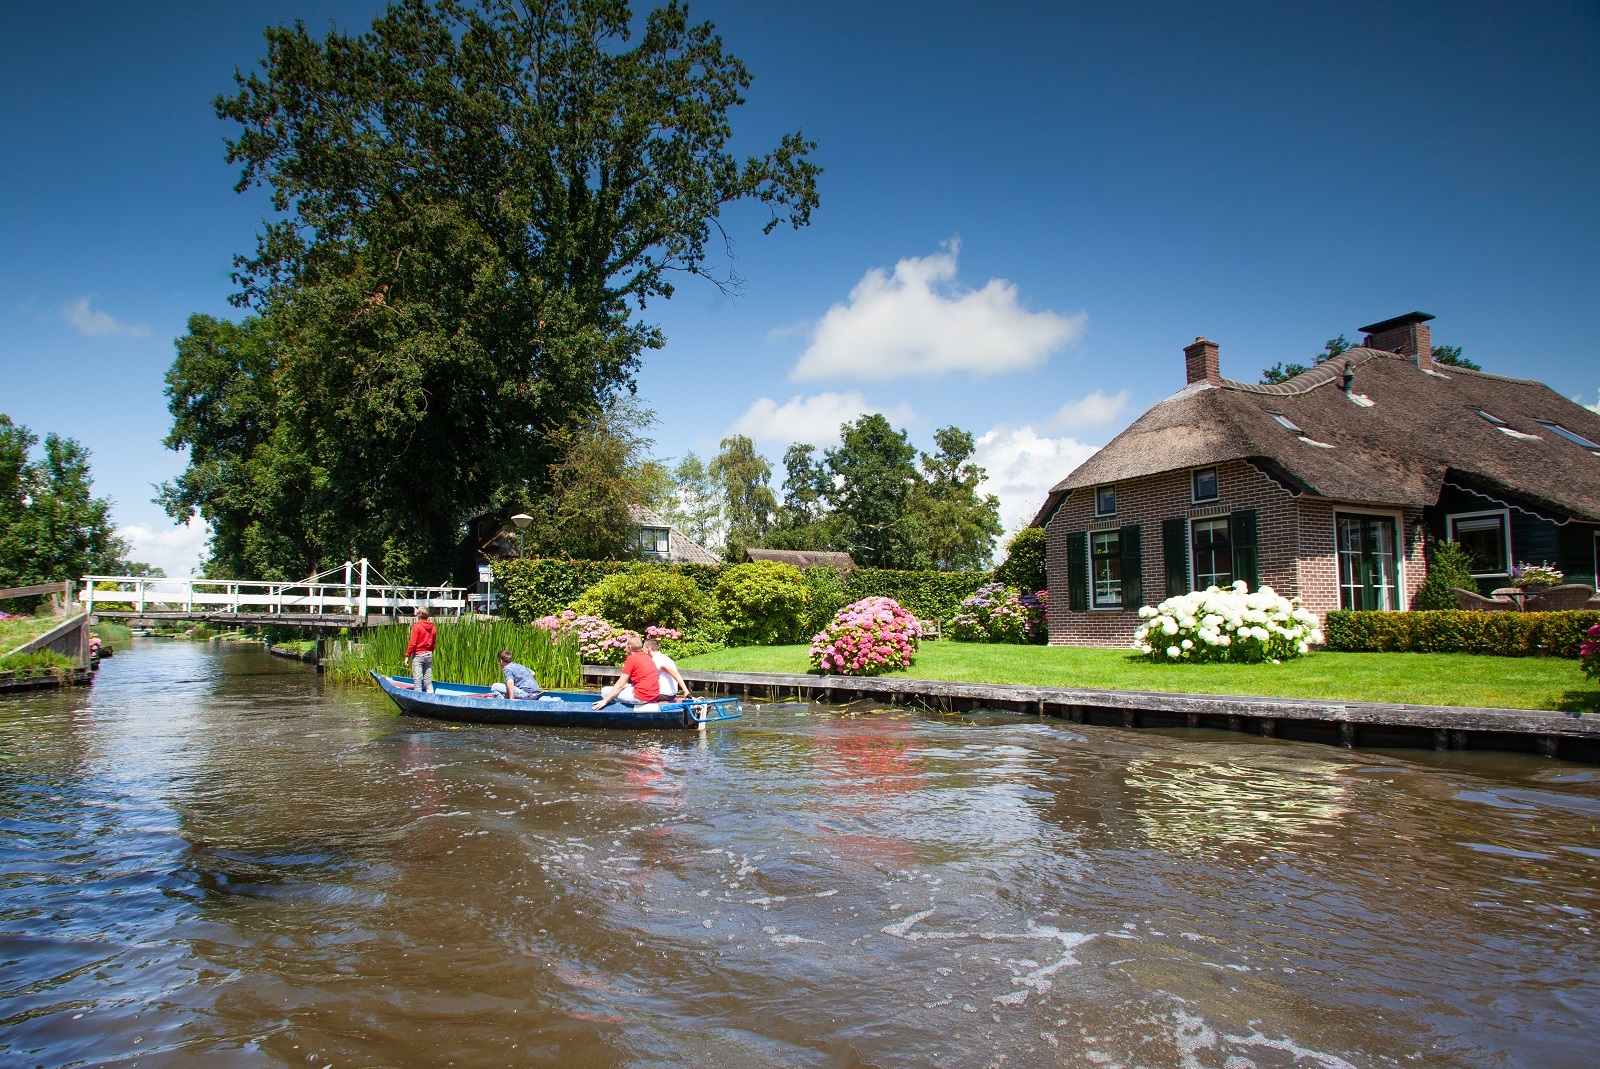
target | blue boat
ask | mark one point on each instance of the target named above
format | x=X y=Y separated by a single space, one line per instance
x=469 y=704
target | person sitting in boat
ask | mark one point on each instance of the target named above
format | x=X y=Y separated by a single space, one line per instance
x=419 y=651
x=667 y=677
x=640 y=683
x=520 y=682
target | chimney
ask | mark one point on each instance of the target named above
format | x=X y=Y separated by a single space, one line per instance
x=1407 y=335
x=1201 y=362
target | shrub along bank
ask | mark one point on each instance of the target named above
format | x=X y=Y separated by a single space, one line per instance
x=1503 y=634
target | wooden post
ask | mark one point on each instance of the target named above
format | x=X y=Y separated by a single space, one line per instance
x=361 y=609
x=1192 y=719
x=1347 y=734
x=1269 y=727
x=1441 y=740
x=1549 y=745
x=88 y=596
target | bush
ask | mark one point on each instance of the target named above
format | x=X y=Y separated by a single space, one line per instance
x=599 y=641
x=645 y=596
x=1501 y=634
x=762 y=603
x=528 y=589
x=867 y=637
x=1024 y=564
x=1589 y=653
x=998 y=613
x=830 y=592
x=929 y=595
x=1232 y=624
x=1450 y=566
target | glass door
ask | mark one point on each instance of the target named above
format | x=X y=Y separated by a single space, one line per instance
x=1368 y=573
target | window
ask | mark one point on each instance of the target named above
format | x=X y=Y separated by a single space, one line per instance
x=1486 y=538
x=1496 y=420
x=1213 y=552
x=1105 y=501
x=1285 y=422
x=653 y=540
x=1368 y=576
x=1571 y=436
x=1205 y=484
x=1105 y=568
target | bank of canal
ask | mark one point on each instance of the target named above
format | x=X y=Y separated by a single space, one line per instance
x=215 y=858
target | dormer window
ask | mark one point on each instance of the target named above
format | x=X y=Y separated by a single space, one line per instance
x=1571 y=436
x=1105 y=501
x=1205 y=484
x=1285 y=422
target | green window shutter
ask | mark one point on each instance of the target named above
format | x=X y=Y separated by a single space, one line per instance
x=1132 y=568
x=1175 y=552
x=1078 y=572
x=1246 y=557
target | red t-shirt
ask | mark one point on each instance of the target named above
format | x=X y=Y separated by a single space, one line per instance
x=423 y=636
x=640 y=668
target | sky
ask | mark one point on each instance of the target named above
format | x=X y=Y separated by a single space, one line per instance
x=1027 y=210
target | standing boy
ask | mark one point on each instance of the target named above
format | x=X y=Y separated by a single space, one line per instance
x=419 y=651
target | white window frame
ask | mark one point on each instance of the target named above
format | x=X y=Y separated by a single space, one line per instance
x=1188 y=541
x=639 y=540
x=1400 y=554
x=1097 y=511
x=1505 y=519
x=1121 y=604
x=1204 y=500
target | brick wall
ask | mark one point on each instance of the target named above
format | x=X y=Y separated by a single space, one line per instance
x=1295 y=539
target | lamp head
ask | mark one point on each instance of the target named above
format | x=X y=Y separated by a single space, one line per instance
x=521 y=519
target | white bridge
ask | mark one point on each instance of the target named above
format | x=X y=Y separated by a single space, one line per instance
x=343 y=596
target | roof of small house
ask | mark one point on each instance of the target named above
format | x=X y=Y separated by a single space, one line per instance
x=805 y=558
x=681 y=549
x=1394 y=438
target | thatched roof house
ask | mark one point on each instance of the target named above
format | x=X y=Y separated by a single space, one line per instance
x=805 y=558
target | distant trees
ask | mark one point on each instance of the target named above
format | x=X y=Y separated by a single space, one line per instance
x=1282 y=372
x=741 y=475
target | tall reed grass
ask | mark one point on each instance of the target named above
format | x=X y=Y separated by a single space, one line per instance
x=468 y=651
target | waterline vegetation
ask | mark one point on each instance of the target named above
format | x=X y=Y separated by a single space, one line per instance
x=467 y=652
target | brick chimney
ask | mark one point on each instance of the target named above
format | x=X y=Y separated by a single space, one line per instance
x=1201 y=362
x=1407 y=335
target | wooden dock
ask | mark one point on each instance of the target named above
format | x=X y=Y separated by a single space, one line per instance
x=1349 y=724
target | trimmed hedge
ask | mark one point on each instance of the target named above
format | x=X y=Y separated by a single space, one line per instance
x=530 y=589
x=1501 y=634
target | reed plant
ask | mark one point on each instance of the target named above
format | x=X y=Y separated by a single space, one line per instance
x=116 y=636
x=468 y=651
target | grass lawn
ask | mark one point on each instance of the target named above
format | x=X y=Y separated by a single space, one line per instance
x=1414 y=678
x=14 y=633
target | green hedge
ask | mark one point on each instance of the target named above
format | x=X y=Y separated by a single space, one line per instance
x=529 y=589
x=1502 y=634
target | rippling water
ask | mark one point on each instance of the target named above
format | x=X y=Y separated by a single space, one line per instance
x=212 y=858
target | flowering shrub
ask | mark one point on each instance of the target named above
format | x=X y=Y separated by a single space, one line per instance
x=1589 y=653
x=762 y=603
x=867 y=637
x=599 y=641
x=1535 y=575
x=1226 y=624
x=998 y=613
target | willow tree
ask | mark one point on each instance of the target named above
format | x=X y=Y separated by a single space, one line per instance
x=473 y=202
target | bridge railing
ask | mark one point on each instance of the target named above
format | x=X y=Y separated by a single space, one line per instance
x=324 y=594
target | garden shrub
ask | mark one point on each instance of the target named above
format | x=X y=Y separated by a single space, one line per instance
x=1450 y=566
x=865 y=638
x=929 y=595
x=1226 y=624
x=830 y=592
x=1589 y=653
x=998 y=613
x=644 y=596
x=762 y=603
x=528 y=589
x=599 y=641
x=1025 y=559
x=1502 y=634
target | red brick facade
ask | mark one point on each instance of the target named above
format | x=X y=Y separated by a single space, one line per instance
x=1295 y=544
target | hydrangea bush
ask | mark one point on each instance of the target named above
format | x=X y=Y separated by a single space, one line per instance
x=1226 y=624
x=1589 y=653
x=998 y=613
x=599 y=640
x=867 y=637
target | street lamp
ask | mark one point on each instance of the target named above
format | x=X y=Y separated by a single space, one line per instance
x=521 y=519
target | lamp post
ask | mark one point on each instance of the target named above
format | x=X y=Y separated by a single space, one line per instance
x=521 y=519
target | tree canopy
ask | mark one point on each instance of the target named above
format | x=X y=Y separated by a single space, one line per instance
x=52 y=527
x=474 y=199
x=1282 y=372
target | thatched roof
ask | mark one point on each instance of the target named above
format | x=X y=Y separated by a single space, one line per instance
x=681 y=549
x=805 y=558
x=1420 y=428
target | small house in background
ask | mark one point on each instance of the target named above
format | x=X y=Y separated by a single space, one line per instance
x=1327 y=487
x=656 y=539
x=805 y=558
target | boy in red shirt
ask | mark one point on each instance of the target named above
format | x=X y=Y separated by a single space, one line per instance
x=419 y=651
x=640 y=683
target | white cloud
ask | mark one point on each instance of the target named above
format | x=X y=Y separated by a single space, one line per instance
x=1095 y=410
x=1023 y=465
x=98 y=324
x=1595 y=408
x=176 y=550
x=921 y=321
x=813 y=419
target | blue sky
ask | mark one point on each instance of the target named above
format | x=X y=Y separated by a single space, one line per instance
x=1028 y=210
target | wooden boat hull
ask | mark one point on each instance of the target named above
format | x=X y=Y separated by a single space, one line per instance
x=469 y=704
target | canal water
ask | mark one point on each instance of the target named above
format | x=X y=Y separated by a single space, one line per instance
x=213 y=858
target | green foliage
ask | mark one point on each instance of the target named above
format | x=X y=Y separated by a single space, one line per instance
x=929 y=595
x=51 y=528
x=763 y=603
x=1024 y=566
x=1450 y=566
x=954 y=527
x=646 y=596
x=38 y=663
x=1502 y=634
x=696 y=505
x=471 y=200
x=598 y=476
x=1450 y=356
x=1281 y=372
x=875 y=468
x=829 y=592
x=468 y=651
x=114 y=636
x=741 y=475
x=531 y=588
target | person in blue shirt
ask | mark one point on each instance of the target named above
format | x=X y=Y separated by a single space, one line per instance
x=519 y=683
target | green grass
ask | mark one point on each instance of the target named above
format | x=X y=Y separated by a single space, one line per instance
x=467 y=652
x=1409 y=678
x=116 y=636
x=14 y=633
x=40 y=662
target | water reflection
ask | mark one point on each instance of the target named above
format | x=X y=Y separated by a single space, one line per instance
x=212 y=859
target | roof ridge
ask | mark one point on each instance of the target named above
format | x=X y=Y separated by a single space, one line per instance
x=1311 y=377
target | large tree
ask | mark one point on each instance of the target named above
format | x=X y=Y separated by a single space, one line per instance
x=52 y=527
x=954 y=526
x=741 y=475
x=473 y=200
x=874 y=469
